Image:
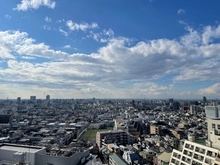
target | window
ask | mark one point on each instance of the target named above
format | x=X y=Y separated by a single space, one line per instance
x=213 y=125
x=218 y=126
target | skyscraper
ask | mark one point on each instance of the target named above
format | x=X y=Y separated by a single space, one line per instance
x=204 y=99
x=19 y=100
x=48 y=97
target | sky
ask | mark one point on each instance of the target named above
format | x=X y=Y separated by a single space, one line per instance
x=150 y=49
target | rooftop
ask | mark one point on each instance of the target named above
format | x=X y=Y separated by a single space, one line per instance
x=20 y=148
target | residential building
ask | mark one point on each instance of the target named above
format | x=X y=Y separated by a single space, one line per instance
x=195 y=154
x=114 y=159
x=119 y=137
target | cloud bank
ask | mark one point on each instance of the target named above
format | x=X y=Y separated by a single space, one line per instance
x=118 y=68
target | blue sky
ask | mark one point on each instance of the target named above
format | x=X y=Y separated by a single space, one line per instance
x=110 y=49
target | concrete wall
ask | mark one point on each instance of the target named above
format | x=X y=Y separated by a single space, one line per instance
x=60 y=160
x=9 y=156
x=6 y=155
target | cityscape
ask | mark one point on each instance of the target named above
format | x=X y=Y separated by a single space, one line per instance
x=109 y=82
x=109 y=131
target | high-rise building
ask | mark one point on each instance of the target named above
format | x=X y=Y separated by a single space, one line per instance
x=19 y=100
x=213 y=123
x=48 y=97
x=194 y=109
x=193 y=153
x=33 y=98
x=204 y=99
x=212 y=112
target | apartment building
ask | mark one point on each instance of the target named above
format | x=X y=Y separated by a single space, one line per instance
x=195 y=154
x=119 y=137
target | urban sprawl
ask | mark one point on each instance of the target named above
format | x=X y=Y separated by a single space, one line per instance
x=109 y=131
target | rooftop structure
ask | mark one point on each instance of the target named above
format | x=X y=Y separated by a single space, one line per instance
x=20 y=153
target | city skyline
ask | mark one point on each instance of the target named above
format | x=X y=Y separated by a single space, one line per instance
x=109 y=49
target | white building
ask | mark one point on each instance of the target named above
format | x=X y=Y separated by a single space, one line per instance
x=213 y=122
x=18 y=153
x=195 y=154
x=12 y=154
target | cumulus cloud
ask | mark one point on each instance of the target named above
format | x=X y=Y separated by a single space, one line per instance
x=5 y=53
x=19 y=43
x=137 y=65
x=82 y=26
x=181 y=11
x=34 y=4
x=211 y=90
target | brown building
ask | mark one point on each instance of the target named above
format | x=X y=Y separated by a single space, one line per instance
x=155 y=130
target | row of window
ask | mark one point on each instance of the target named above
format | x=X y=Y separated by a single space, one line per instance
x=214 y=126
x=201 y=150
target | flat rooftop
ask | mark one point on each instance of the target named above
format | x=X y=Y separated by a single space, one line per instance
x=20 y=148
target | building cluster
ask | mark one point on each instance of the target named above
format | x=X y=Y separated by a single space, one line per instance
x=142 y=132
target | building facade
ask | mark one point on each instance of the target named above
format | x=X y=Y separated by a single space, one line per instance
x=119 y=137
x=195 y=154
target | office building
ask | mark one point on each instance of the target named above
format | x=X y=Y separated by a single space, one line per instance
x=213 y=123
x=19 y=100
x=212 y=112
x=48 y=97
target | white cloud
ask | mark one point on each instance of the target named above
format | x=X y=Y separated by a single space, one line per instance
x=34 y=4
x=82 y=26
x=5 y=53
x=181 y=11
x=210 y=33
x=19 y=43
x=7 y=16
x=67 y=46
x=28 y=57
x=63 y=32
x=60 y=20
x=47 y=19
x=108 y=32
x=103 y=36
x=211 y=90
x=137 y=65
